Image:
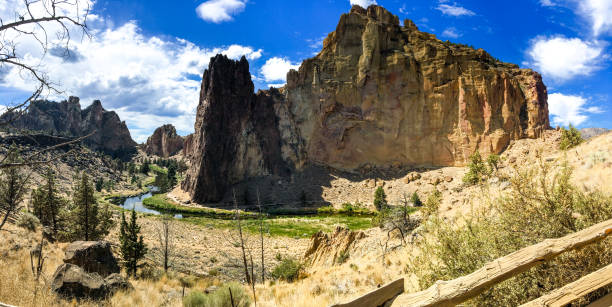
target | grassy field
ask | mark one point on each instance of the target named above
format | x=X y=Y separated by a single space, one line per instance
x=294 y=227
x=290 y=226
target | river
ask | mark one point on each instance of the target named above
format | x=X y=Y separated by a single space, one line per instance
x=135 y=203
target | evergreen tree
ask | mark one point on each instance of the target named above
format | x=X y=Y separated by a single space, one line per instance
x=133 y=248
x=47 y=203
x=416 y=201
x=89 y=223
x=171 y=175
x=145 y=168
x=380 y=199
x=99 y=184
x=12 y=186
x=161 y=181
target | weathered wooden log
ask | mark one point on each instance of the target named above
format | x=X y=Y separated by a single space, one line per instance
x=453 y=292
x=377 y=297
x=575 y=290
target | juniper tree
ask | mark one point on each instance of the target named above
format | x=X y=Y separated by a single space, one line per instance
x=133 y=248
x=88 y=221
x=380 y=199
x=12 y=187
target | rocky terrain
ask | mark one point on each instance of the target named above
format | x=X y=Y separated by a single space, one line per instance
x=164 y=142
x=110 y=134
x=588 y=133
x=379 y=98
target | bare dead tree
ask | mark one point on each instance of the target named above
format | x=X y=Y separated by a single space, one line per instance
x=33 y=21
x=37 y=259
x=261 y=237
x=164 y=235
x=48 y=24
x=242 y=241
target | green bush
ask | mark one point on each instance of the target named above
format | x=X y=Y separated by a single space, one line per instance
x=195 y=299
x=477 y=170
x=493 y=161
x=28 y=221
x=219 y=298
x=342 y=257
x=570 y=138
x=542 y=204
x=415 y=200
x=288 y=269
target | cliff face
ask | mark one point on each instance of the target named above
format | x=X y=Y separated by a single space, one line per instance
x=67 y=119
x=379 y=95
x=236 y=134
x=164 y=142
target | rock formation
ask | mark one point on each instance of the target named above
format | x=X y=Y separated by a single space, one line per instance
x=379 y=95
x=164 y=142
x=89 y=271
x=325 y=249
x=67 y=119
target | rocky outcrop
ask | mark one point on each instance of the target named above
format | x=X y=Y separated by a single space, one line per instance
x=188 y=146
x=326 y=249
x=110 y=134
x=379 y=95
x=89 y=271
x=164 y=142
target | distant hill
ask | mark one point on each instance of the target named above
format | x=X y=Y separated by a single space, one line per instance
x=67 y=119
x=588 y=133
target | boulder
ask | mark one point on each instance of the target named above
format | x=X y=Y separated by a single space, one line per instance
x=93 y=257
x=71 y=281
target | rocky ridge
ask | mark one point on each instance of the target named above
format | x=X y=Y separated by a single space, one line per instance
x=110 y=134
x=164 y=142
x=380 y=95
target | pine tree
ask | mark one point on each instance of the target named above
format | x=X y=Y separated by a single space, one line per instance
x=133 y=248
x=99 y=184
x=89 y=223
x=12 y=187
x=145 y=168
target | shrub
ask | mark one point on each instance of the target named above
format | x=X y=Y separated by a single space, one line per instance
x=570 y=138
x=28 y=221
x=288 y=269
x=493 y=161
x=432 y=204
x=477 y=170
x=415 y=200
x=540 y=205
x=219 y=298
x=342 y=257
x=326 y=210
x=195 y=299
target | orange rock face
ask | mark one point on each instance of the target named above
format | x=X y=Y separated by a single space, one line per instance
x=382 y=94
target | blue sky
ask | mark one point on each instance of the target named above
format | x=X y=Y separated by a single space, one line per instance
x=146 y=57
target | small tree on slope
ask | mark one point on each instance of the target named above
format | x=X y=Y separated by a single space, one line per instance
x=133 y=248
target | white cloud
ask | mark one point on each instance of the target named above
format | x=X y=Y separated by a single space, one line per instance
x=569 y=109
x=547 y=3
x=363 y=3
x=454 y=10
x=564 y=58
x=599 y=12
x=149 y=81
x=451 y=32
x=276 y=69
x=218 y=11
